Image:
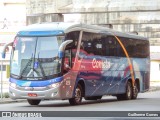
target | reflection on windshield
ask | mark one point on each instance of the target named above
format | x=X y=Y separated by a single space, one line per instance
x=35 y=57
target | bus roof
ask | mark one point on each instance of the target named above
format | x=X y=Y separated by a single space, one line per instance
x=58 y=28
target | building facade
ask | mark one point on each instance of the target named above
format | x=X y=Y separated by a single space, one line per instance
x=128 y=16
x=141 y=16
x=12 y=18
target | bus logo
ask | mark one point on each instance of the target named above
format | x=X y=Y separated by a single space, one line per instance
x=101 y=64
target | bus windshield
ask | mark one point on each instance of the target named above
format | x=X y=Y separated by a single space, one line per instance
x=36 y=57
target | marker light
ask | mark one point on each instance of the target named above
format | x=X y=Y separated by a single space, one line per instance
x=55 y=85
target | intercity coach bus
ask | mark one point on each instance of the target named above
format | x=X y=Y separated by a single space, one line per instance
x=72 y=61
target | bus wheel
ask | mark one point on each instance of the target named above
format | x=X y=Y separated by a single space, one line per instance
x=128 y=94
x=77 y=99
x=135 y=91
x=33 y=102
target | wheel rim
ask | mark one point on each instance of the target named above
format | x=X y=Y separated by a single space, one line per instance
x=78 y=95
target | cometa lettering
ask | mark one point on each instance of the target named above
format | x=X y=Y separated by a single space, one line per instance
x=100 y=64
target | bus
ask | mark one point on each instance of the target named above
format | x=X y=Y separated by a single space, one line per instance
x=71 y=61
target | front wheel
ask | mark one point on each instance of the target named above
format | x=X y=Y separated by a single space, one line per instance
x=33 y=102
x=77 y=99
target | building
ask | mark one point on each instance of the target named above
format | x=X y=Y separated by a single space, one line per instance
x=12 y=18
x=155 y=64
x=125 y=15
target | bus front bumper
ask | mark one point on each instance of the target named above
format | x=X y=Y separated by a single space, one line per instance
x=34 y=93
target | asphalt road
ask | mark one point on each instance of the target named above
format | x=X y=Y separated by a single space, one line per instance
x=149 y=101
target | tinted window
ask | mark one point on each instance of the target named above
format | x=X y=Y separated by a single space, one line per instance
x=136 y=48
x=110 y=44
x=112 y=47
x=72 y=36
x=92 y=43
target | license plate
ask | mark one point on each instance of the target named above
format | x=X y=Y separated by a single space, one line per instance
x=32 y=94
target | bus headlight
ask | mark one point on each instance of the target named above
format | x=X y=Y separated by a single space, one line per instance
x=13 y=85
x=55 y=85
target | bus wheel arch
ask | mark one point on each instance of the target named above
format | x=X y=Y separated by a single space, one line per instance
x=128 y=91
x=78 y=94
x=81 y=82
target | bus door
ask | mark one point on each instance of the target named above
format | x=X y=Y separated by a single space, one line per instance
x=69 y=75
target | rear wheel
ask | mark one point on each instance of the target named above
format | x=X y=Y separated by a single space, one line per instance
x=135 y=91
x=77 y=99
x=33 y=102
x=128 y=94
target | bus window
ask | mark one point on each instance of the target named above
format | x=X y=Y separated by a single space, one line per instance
x=67 y=61
x=120 y=51
x=98 y=47
x=92 y=43
x=110 y=44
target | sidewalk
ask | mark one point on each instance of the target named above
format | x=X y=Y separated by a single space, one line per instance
x=154 y=86
x=9 y=100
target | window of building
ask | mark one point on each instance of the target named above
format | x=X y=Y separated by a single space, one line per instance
x=3 y=67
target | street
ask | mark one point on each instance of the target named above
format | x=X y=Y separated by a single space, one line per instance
x=146 y=102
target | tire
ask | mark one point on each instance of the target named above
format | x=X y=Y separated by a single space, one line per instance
x=135 y=91
x=77 y=99
x=128 y=94
x=93 y=98
x=33 y=102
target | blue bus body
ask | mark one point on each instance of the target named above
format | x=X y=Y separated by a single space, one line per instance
x=91 y=74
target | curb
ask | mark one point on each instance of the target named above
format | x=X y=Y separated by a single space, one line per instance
x=8 y=100
x=154 y=88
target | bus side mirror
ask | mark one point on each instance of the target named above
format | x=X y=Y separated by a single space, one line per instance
x=62 y=48
x=4 y=49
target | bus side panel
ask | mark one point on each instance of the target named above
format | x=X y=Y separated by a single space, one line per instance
x=109 y=75
x=120 y=73
x=68 y=85
x=146 y=81
x=142 y=72
x=91 y=75
x=104 y=75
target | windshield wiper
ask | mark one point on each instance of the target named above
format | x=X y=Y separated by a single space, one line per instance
x=42 y=70
x=28 y=64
